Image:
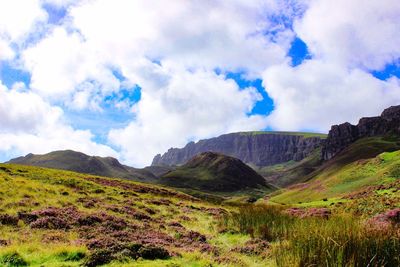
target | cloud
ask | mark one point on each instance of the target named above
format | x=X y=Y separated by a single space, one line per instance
x=17 y=20
x=183 y=105
x=65 y=68
x=317 y=94
x=171 y=51
x=346 y=39
x=353 y=33
x=171 y=54
x=30 y=125
x=194 y=33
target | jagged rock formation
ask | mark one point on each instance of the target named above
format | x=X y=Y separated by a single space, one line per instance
x=340 y=136
x=215 y=172
x=256 y=148
x=80 y=162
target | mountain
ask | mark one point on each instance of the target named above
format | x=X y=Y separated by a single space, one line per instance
x=214 y=172
x=340 y=136
x=254 y=148
x=80 y=162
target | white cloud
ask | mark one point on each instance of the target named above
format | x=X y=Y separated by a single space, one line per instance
x=30 y=125
x=74 y=66
x=317 y=94
x=195 y=33
x=346 y=38
x=66 y=69
x=353 y=33
x=17 y=20
x=188 y=105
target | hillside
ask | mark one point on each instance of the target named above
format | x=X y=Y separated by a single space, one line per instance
x=80 y=162
x=254 y=148
x=215 y=172
x=365 y=163
x=60 y=218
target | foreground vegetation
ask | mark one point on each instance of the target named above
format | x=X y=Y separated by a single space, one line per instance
x=60 y=218
x=316 y=238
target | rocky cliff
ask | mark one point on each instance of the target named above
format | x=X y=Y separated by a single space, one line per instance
x=340 y=136
x=257 y=148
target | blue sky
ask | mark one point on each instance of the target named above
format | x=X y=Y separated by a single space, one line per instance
x=83 y=76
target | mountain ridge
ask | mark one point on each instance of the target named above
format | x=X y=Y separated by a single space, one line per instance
x=77 y=161
x=255 y=148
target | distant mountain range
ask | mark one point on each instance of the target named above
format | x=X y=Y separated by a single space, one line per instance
x=222 y=164
x=80 y=162
x=208 y=171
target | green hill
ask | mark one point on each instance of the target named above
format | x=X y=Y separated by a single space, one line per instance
x=80 y=162
x=214 y=172
x=365 y=163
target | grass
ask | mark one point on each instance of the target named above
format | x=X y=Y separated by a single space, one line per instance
x=341 y=240
x=32 y=189
x=291 y=172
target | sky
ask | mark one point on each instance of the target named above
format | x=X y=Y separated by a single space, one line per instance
x=132 y=78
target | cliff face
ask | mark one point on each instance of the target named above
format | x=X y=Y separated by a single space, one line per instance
x=261 y=149
x=340 y=136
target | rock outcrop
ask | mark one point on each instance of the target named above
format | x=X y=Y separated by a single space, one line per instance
x=258 y=148
x=340 y=136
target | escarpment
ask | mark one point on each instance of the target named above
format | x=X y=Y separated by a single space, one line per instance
x=256 y=148
x=340 y=136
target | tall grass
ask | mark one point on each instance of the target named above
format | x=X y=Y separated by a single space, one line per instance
x=338 y=241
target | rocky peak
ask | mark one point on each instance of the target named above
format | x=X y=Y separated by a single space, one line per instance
x=340 y=136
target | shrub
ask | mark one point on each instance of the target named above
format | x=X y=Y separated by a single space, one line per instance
x=153 y=252
x=50 y=223
x=71 y=255
x=98 y=257
x=13 y=259
x=8 y=219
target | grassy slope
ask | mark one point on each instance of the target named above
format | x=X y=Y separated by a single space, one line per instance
x=291 y=172
x=360 y=165
x=216 y=173
x=30 y=189
x=304 y=134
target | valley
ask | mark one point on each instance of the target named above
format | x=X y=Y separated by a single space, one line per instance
x=336 y=196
